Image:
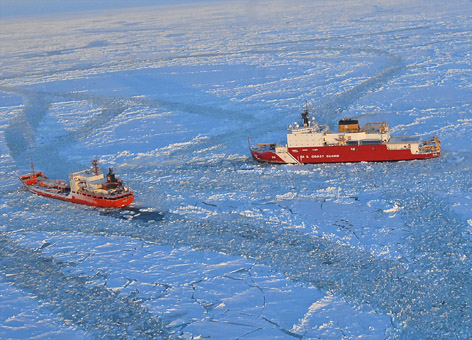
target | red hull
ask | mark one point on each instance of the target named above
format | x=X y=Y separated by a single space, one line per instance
x=37 y=184
x=345 y=153
x=108 y=202
x=92 y=200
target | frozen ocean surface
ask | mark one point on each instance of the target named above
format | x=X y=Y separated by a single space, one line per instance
x=215 y=245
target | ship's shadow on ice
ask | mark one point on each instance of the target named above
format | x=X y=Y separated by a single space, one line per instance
x=134 y=213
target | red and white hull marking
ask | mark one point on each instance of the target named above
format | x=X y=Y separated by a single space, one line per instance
x=314 y=143
x=337 y=154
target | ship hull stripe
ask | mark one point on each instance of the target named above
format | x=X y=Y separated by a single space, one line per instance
x=345 y=153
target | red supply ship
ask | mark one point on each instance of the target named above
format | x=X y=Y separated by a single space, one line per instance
x=85 y=187
x=312 y=143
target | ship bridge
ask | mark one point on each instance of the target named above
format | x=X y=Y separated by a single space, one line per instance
x=89 y=179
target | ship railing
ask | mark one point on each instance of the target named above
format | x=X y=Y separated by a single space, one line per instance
x=381 y=127
x=264 y=147
x=301 y=129
x=313 y=127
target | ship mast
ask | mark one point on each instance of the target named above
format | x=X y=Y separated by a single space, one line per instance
x=306 y=115
x=95 y=166
x=32 y=165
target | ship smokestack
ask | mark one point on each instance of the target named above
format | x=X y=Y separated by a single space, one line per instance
x=111 y=176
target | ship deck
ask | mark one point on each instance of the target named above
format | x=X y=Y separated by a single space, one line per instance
x=404 y=139
x=264 y=147
x=49 y=190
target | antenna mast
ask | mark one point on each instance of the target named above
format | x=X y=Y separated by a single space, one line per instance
x=95 y=166
x=306 y=115
x=32 y=165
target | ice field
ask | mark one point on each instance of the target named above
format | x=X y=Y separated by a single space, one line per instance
x=218 y=246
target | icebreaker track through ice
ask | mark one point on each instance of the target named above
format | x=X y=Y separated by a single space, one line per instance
x=226 y=247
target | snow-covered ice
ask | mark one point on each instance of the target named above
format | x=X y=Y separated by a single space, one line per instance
x=217 y=246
